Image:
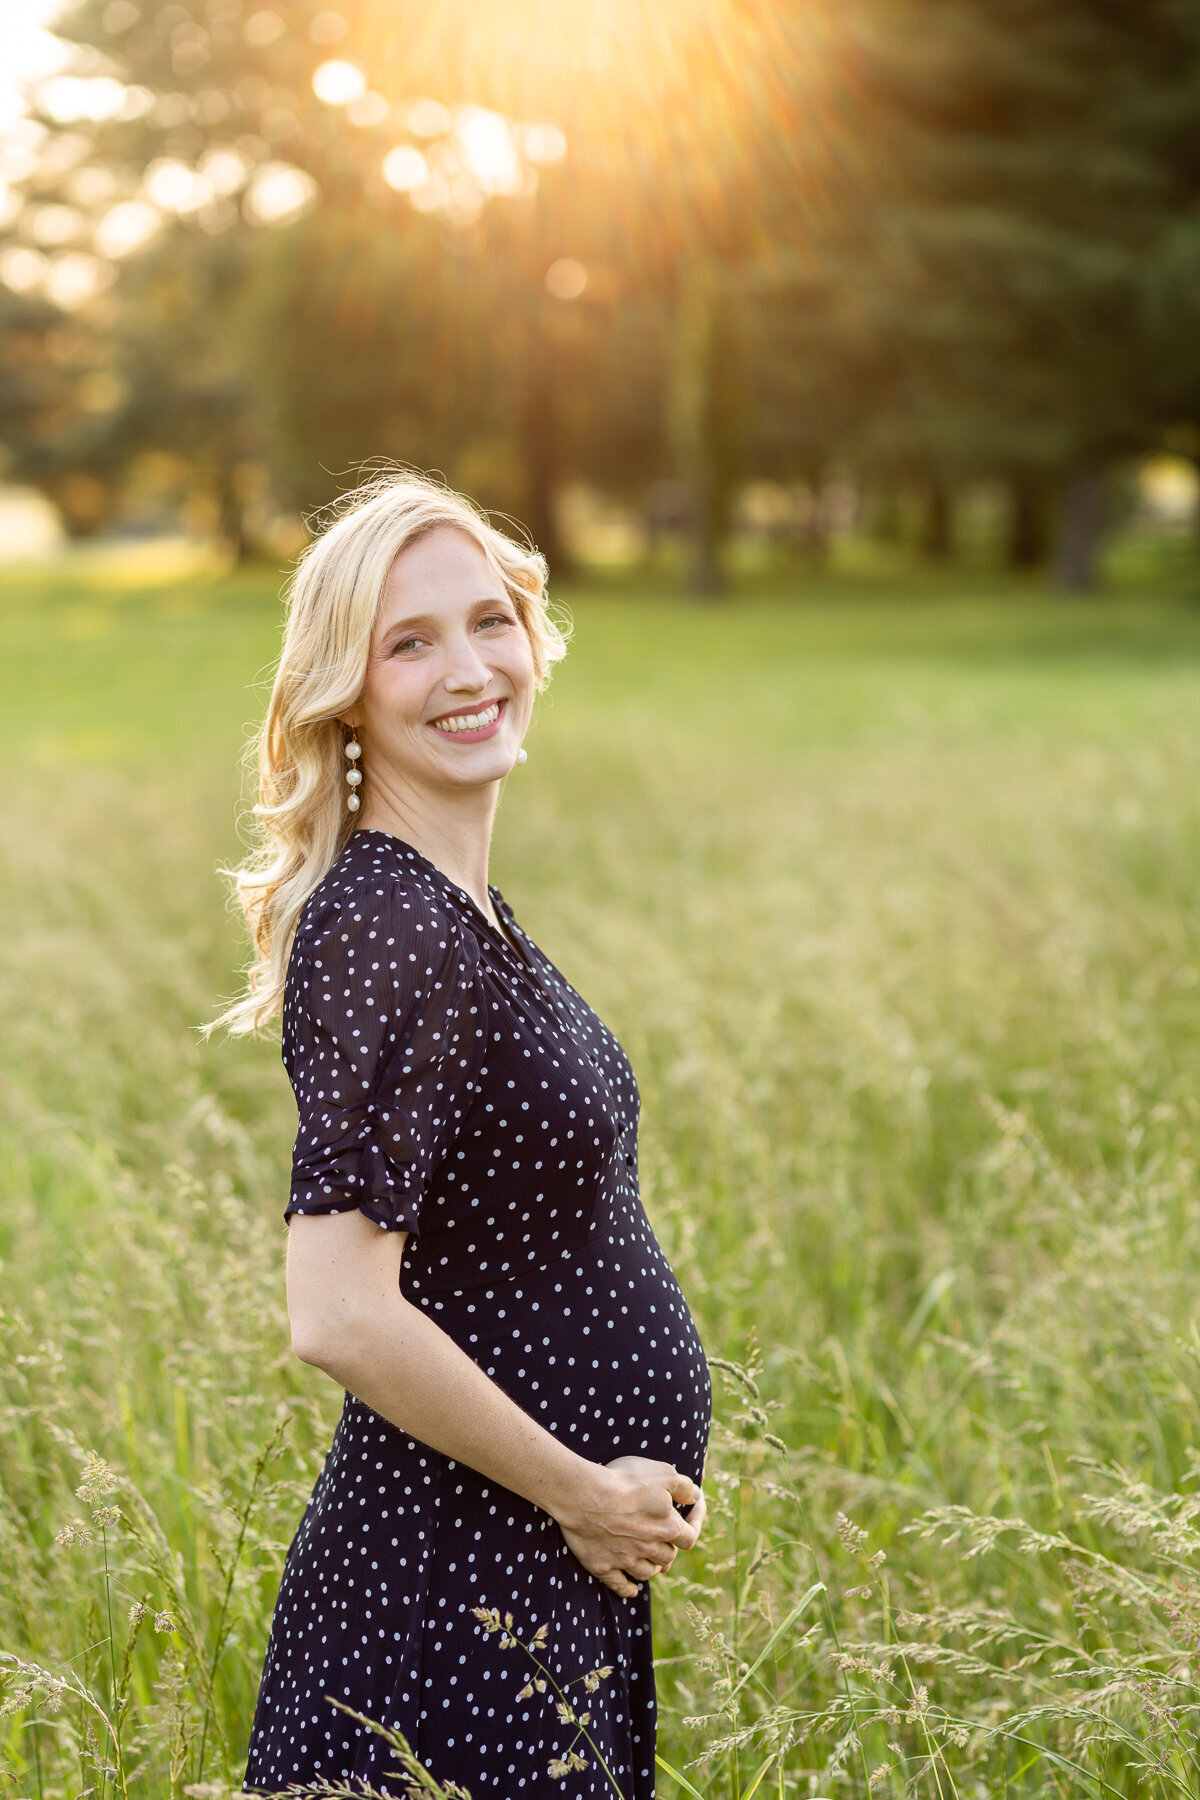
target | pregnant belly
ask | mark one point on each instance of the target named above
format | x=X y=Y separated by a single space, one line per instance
x=600 y=1349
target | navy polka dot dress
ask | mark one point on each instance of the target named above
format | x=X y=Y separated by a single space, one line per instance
x=453 y=1085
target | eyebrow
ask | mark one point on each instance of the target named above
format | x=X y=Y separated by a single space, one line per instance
x=401 y=625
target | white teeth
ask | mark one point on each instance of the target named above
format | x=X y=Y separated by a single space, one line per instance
x=470 y=721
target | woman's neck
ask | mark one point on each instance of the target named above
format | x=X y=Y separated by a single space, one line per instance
x=453 y=830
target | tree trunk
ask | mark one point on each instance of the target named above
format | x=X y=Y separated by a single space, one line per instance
x=937 y=523
x=1028 y=544
x=885 y=521
x=537 y=435
x=231 y=514
x=1080 y=526
x=694 y=430
x=806 y=538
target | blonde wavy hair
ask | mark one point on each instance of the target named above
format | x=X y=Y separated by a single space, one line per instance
x=302 y=825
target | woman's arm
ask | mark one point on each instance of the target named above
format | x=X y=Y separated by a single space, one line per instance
x=349 y=1318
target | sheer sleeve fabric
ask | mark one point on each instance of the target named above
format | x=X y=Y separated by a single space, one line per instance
x=383 y=1029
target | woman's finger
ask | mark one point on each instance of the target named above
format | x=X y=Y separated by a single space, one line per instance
x=682 y=1489
x=693 y=1524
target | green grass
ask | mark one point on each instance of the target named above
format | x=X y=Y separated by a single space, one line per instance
x=891 y=893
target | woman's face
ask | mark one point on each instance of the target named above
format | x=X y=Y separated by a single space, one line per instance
x=449 y=687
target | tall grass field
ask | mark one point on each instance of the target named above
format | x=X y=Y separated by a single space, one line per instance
x=893 y=897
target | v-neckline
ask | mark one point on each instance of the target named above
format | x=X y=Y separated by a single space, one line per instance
x=512 y=944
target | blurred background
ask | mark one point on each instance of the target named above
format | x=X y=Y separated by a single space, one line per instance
x=833 y=350
x=726 y=283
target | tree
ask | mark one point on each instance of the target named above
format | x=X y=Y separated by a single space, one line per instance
x=699 y=197
x=931 y=239
x=1039 y=171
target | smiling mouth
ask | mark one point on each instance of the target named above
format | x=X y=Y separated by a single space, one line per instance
x=470 y=724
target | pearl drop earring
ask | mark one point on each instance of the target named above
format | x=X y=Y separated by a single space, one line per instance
x=522 y=755
x=353 y=776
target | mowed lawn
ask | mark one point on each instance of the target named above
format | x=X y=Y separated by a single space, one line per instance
x=892 y=896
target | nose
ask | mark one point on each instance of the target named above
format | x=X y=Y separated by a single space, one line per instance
x=466 y=670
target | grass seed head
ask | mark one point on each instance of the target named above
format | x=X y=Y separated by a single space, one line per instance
x=97 y=1480
x=71 y=1534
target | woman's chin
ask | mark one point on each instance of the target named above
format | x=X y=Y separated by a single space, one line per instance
x=474 y=765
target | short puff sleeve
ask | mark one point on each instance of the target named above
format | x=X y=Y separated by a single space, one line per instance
x=384 y=1025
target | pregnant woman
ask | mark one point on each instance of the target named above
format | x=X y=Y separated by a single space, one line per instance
x=527 y=1403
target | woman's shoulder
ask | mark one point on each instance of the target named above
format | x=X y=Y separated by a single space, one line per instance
x=379 y=889
x=378 y=955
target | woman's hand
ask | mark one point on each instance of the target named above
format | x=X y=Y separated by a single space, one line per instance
x=350 y=1319
x=624 y=1527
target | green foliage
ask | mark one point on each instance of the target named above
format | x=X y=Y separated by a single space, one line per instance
x=893 y=902
x=931 y=241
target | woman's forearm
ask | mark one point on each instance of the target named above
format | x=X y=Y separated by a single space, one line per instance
x=350 y=1318
x=394 y=1359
